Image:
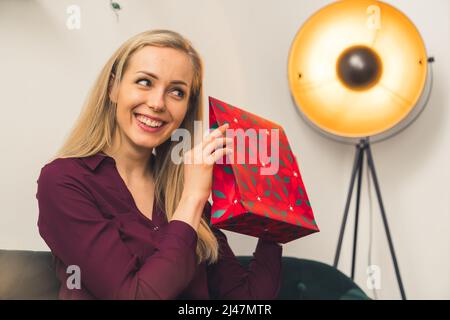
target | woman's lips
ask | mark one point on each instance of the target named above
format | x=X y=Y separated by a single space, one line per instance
x=145 y=127
x=149 y=117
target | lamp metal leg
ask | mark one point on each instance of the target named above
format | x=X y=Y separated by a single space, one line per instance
x=385 y=222
x=356 y=165
x=358 y=197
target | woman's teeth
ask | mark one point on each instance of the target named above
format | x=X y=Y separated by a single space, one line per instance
x=148 y=122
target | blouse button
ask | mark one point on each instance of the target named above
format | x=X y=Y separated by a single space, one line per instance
x=155 y=228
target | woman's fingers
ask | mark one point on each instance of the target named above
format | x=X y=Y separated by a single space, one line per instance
x=218 y=154
x=219 y=132
x=209 y=149
x=217 y=150
x=217 y=143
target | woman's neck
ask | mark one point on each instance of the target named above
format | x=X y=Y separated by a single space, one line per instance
x=132 y=163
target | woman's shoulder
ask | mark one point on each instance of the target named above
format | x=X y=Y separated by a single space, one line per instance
x=73 y=166
x=61 y=163
x=61 y=176
x=63 y=166
x=61 y=169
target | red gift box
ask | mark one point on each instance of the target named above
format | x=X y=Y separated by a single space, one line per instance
x=259 y=190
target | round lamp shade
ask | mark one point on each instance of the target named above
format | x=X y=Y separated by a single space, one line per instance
x=357 y=68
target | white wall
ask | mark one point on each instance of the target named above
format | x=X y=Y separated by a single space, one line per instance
x=48 y=69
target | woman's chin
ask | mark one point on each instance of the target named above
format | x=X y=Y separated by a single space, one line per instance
x=145 y=140
x=146 y=144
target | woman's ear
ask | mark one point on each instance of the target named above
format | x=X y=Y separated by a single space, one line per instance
x=112 y=90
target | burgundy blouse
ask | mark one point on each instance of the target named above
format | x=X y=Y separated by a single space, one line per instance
x=88 y=218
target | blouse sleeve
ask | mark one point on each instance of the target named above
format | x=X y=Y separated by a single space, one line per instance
x=228 y=279
x=76 y=232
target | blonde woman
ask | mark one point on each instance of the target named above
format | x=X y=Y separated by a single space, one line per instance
x=114 y=204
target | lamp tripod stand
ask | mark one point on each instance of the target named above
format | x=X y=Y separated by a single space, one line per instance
x=363 y=147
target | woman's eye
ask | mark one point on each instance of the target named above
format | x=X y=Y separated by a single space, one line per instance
x=143 y=82
x=147 y=83
x=179 y=93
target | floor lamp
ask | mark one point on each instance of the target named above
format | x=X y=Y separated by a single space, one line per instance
x=347 y=69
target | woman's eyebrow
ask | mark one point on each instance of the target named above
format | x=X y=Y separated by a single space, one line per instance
x=156 y=77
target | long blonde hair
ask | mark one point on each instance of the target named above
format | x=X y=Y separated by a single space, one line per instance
x=95 y=127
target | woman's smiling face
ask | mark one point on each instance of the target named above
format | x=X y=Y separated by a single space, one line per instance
x=153 y=95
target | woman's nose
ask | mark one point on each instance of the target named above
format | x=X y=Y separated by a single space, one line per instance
x=156 y=100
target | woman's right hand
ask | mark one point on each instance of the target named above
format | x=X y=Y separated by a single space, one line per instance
x=199 y=163
x=198 y=172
